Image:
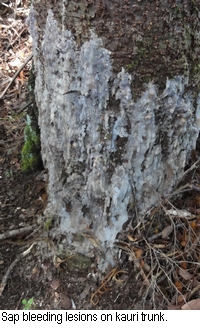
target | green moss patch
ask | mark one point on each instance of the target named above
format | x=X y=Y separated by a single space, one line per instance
x=31 y=149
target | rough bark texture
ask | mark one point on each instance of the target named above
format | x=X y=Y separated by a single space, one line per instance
x=119 y=111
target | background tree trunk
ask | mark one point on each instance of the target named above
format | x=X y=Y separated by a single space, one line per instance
x=117 y=87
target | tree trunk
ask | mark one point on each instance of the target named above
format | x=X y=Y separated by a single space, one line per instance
x=119 y=111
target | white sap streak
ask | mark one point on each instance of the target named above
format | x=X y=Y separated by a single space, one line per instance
x=80 y=131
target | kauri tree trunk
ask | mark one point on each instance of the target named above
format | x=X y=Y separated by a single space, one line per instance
x=117 y=88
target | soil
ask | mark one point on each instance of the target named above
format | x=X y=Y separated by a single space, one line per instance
x=30 y=263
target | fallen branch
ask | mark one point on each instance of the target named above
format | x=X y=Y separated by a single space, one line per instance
x=7 y=274
x=15 y=76
x=15 y=232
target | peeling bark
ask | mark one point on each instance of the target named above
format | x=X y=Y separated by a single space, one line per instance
x=119 y=110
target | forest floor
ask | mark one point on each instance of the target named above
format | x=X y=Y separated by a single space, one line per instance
x=158 y=263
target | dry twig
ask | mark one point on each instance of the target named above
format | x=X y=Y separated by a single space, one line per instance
x=15 y=75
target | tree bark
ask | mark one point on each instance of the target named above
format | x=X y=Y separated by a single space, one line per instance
x=117 y=88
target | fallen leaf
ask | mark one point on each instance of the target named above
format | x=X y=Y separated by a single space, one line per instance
x=35 y=274
x=173 y=307
x=145 y=266
x=194 y=210
x=184 y=240
x=138 y=253
x=22 y=77
x=192 y=305
x=130 y=238
x=142 y=263
x=185 y=274
x=180 y=213
x=183 y=243
x=193 y=225
x=181 y=299
x=198 y=221
x=167 y=231
x=55 y=284
x=179 y=286
x=197 y=201
x=183 y=265
x=17 y=166
x=40 y=187
x=13 y=161
x=44 y=197
x=59 y=261
x=66 y=302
